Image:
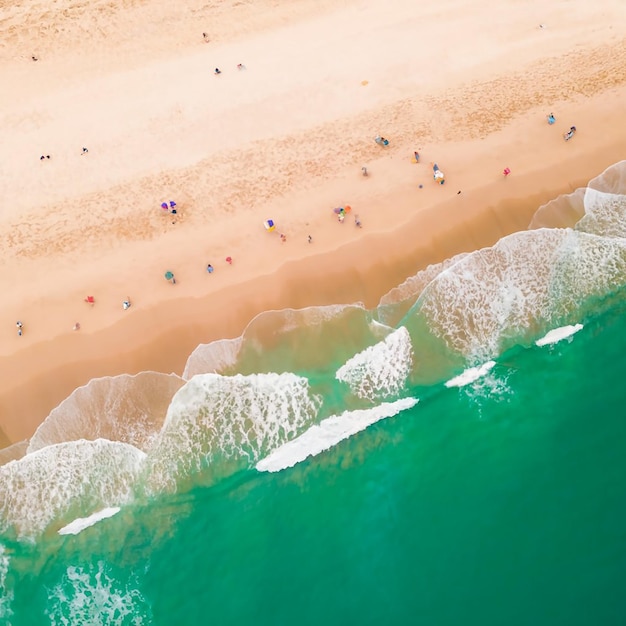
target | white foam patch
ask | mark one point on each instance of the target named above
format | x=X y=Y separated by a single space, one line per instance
x=329 y=433
x=470 y=375
x=78 y=525
x=380 y=371
x=92 y=595
x=57 y=482
x=219 y=425
x=558 y=334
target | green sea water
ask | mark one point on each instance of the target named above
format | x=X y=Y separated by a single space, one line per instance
x=498 y=502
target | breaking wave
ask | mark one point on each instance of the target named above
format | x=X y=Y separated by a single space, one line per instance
x=57 y=483
x=78 y=525
x=380 y=371
x=222 y=425
x=507 y=294
x=329 y=433
x=558 y=334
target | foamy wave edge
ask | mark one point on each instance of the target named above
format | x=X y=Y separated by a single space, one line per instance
x=329 y=433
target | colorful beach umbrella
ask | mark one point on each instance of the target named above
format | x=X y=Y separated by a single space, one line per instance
x=172 y=204
x=164 y=206
x=269 y=225
x=169 y=275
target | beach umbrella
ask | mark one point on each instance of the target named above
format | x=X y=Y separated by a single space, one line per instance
x=164 y=206
x=169 y=275
x=229 y=259
x=269 y=225
x=172 y=204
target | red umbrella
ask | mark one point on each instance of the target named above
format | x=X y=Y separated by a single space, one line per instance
x=229 y=259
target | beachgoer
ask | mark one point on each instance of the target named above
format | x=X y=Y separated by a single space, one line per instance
x=241 y=66
x=42 y=157
x=90 y=300
x=205 y=37
x=506 y=171
x=569 y=134
x=283 y=238
x=34 y=58
x=438 y=175
x=310 y=239
x=19 y=328
x=209 y=268
x=126 y=304
x=357 y=221
x=381 y=141
x=76 y=326
x=217 y=71
x=229 y=260
x=551 y=119
x=364 y=171
x=85 y=151
x=417 y=156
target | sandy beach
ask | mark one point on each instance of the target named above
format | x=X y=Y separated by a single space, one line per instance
x=467 y=84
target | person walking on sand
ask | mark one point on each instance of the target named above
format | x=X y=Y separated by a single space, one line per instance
x=416 y=155
x=551 y=119
x=217 y=71
x=209 y=268
x=85 y=151
x=19 y=328
x=310 y=239
x=126 y=304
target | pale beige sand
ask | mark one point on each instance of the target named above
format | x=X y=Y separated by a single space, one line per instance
x=467 y=82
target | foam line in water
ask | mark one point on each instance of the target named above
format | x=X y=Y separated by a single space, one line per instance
x=470 y=375
x=78 y=525
x=558 y=334
x=329 y=433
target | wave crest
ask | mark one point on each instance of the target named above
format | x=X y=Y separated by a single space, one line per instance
x=58 y=482
x=507 y=294
x=225 y=424
x=380 y=371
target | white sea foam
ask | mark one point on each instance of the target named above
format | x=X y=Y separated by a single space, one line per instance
x=470 y=375
x=212 y=358
x=6 y=594
x=558 y=334
x=221 y=424
x=329 y=433
x=92 y=595
x=125 y=408
x=59 y=481
x=79 y=524
x=380 y=371
x=503 y=295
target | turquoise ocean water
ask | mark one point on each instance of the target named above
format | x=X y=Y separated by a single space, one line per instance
x=426 y=462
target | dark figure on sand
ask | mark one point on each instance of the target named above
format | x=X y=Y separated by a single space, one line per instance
x=570 y=133
x=217 y=71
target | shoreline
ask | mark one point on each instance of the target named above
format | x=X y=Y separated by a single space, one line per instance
x=351 y=273
x=285 y=139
